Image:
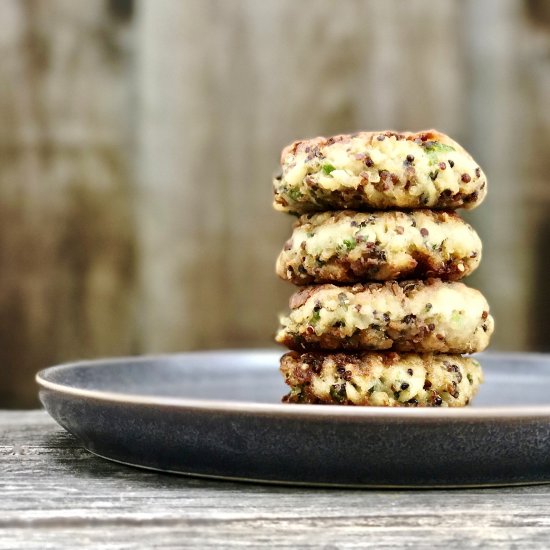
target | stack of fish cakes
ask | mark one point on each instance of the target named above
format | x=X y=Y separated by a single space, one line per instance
x=378 y=251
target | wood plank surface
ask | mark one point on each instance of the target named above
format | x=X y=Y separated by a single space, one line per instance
x=57 y=495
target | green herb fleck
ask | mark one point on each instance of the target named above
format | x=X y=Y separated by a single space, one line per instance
x=296 y=392
x=338 y=392
x=437 y=147
x=328 y=168
x=350 y=244
x=428 y=306
x=316 y=317
x=295 y=194
x=456 y=317
x=309 y=235
x=470 y=378
x=433 y=148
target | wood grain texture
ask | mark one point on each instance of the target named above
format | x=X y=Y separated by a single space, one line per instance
x=57 y=495
x=138 y=140
x=66 y=230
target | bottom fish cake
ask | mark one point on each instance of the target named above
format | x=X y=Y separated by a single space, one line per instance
x=386 y=379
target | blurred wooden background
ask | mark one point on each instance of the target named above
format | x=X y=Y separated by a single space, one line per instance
x=138 y=140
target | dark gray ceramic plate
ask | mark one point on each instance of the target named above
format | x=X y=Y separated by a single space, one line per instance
x=218 y=414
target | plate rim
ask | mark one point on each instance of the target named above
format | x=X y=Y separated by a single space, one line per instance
x=495 y=413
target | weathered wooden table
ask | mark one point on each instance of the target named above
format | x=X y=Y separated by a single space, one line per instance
x=54 y=494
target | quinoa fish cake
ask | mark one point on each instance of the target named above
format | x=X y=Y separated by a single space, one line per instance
x=419 y=316
x=378 y=170
x=348 y=247
x=381 y=379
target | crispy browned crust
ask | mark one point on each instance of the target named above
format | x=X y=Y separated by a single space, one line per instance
x=354 y=199
x=320 y=142
x=328 y=378
x=398 y=336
